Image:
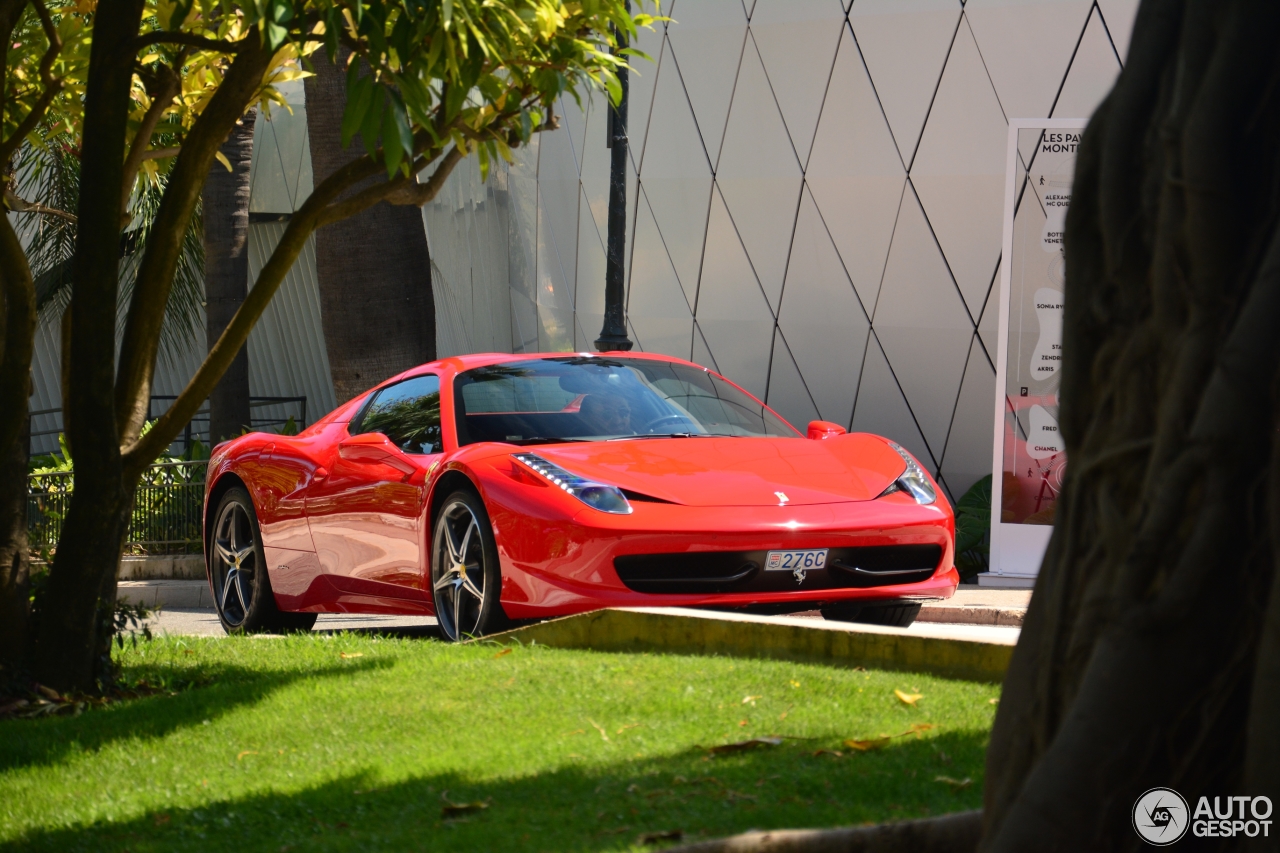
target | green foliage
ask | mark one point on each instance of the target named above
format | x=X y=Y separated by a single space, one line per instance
x=347 y=742
x=49 y=175
x=973 y=529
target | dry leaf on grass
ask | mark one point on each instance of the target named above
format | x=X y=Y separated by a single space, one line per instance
x=877 y=742
x=628 y=726
x=751 y=699
x=451 y=809
x=603 y=734
x=868 y=744
x=659 y=837
x=833 y=752
x=505 y=651
x=954 y=784
x=743 y=745
x=993 y=701
x=246 y=752
x=348 y=656
x=908 y=698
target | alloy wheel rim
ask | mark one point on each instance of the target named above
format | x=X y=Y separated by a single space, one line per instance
x=458 y=572
x=236 y=559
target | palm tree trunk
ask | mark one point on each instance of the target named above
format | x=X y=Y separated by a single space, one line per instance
x=226 y=273
x=374 y=269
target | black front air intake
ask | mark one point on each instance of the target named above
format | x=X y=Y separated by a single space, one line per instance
x=740 y=571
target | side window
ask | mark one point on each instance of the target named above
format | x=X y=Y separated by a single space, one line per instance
x=408 y=413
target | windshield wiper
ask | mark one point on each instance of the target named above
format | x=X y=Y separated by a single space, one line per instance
x=672 y=435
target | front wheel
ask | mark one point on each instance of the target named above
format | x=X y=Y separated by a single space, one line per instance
x=466 y=580
x=238 y=569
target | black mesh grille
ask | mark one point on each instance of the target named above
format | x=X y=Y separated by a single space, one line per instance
x=740 y=571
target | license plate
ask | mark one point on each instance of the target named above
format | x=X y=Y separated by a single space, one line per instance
x=789 y=561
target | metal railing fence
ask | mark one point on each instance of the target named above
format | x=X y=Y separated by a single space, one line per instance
x=166 y=508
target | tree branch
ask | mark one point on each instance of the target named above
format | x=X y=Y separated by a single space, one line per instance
x=52 y=85
x=138 y=454
x=141 y=339
x=168 y=85
x=18 y=204
x=188 y=39
x=420 y=194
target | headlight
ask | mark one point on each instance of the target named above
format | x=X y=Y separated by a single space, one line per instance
x=912 y=481
x=595 y=495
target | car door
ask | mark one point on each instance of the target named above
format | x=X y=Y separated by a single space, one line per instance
x=366 y=514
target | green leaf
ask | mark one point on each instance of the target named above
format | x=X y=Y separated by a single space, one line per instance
x=275 y=35
x=397 y=138
x=359 y=100
x=483 y=153
x=446 y=12
x=373 y=120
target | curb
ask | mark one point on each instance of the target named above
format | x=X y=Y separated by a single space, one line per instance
x=678 y=630
x=972 y=615
x=161 y=594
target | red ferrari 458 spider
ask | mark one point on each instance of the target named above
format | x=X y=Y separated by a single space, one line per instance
x=488 y=489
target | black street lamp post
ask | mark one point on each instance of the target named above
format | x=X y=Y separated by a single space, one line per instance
x=613 y=335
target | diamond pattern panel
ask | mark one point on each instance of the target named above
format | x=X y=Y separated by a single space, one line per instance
x=657 y=307
x=854 y=172
x=883 y=410
x=822 y=318
x=1026 y=46
x=967 y=456
x=676 y=177
x=905 y=45
x=734 y=317
x=759 y=175
x=922 y=324
x=707 y=43
x=788 y=394
x=959 y=170
x=1119 y=16
x=1093 y=69
x=797 y=40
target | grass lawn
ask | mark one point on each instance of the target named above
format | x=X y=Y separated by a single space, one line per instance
x=349 y=742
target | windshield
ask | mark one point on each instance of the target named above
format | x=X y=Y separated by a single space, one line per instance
x=581 y=398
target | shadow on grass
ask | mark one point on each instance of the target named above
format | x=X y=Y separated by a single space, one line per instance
x=218 y=688
x=576 y=808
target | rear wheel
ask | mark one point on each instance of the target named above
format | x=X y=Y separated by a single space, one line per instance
x=466 y=581
x=238 y=569
x=892 y=615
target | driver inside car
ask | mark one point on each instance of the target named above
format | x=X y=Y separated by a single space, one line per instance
x=606 y=414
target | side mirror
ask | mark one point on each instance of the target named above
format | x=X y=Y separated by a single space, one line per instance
x=825 y=429
x=377 y=448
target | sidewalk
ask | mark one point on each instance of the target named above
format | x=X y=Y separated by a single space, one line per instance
x=1003 y=608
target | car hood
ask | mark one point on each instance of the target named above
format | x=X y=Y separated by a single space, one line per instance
x=738 y=471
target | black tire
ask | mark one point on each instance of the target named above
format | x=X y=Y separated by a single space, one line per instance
x=466 y=578
x=892 y=615
x=238 y=572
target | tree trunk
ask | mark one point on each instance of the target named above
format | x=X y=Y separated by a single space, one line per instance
x=226 y=274
x=73 y=641
x=374 y=269
x=15 y=579
x=1148 y=657
x=17 y=341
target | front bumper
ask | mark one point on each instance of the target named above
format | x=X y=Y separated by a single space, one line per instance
x=558 y=567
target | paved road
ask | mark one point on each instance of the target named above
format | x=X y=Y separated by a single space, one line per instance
x=190 y=622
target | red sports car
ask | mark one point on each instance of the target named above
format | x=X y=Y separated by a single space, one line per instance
x=488 y=489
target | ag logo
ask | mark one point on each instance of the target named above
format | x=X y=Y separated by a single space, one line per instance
x=1160 y=816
